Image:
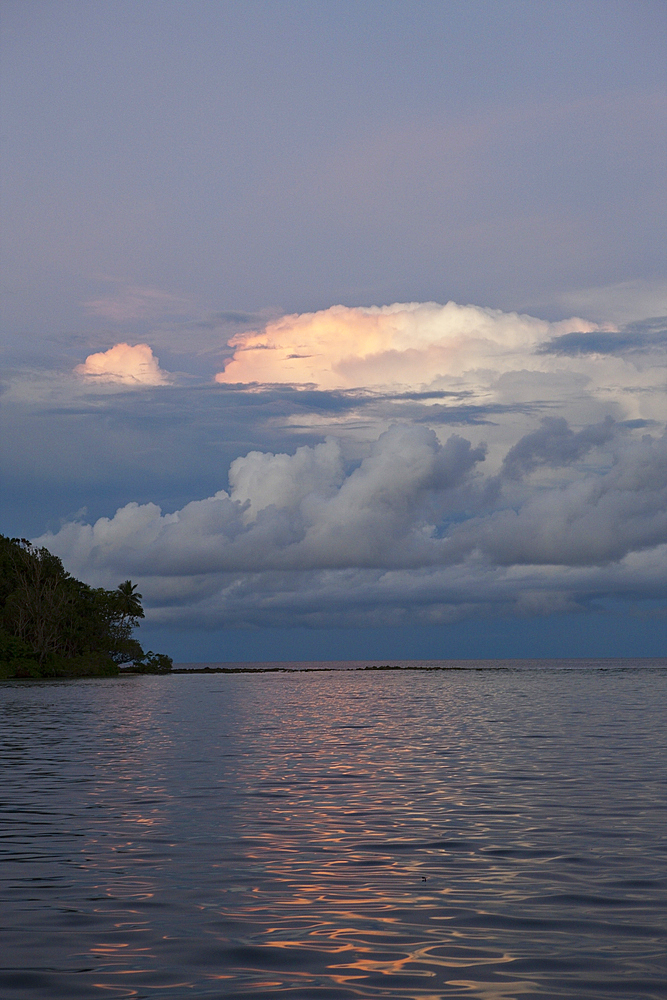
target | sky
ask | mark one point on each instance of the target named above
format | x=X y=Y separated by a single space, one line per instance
x=341 y=328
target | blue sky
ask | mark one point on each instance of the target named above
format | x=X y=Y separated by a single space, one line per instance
x=312 y=455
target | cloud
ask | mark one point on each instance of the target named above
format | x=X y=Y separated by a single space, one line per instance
x=300 y=511
x=594 y=520
x=95 y=440
x=407 y=345
x=263 y=480
x=125 y=365
x=338 y=495
x=554 y=444
x=413 y=532
x=646 y=335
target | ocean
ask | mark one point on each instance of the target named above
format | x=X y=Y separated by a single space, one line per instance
x=491 y=829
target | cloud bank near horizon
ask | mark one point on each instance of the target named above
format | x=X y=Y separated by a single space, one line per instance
x=416 y=532
x=412 y=463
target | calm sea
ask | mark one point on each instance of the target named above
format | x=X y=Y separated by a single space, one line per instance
x=493 y=832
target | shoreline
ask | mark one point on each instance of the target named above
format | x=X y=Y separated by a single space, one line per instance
x=573 y=663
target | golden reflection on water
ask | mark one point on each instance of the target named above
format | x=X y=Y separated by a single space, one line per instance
x=376 y=837
x=299 y=826
x=496 y=991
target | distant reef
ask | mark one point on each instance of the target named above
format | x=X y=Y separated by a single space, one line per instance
x=52 y=625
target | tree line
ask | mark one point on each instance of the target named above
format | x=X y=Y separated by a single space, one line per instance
x=52 y=625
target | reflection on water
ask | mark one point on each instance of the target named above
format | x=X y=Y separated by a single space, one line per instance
x=486 y=834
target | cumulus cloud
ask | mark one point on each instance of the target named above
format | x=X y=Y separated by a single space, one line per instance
x=554 y=444
x=262 y=480
x=414 y=532
x=124 y=364
x=591 y=521
x=406 y=345
x=296 y=512
x=348 y=499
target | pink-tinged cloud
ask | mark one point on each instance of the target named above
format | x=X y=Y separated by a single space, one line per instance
x=126 y=365
x=405 y=344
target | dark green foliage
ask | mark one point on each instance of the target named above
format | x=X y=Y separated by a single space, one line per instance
x=129 y=601
x=52 y=625
x=153 y=663
x=16 y=657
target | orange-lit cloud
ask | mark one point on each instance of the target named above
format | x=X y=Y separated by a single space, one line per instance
x=124 y=364
x=405 y=344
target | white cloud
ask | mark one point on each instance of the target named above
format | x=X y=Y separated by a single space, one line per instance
x=548 y=499
x=408 y=345
x=510 y=366
x=261 y=480
x=594 y=520
x=124 y=364
x=414 y=533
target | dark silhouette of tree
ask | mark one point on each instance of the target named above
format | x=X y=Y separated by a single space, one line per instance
x=37 y=606
x=129 y=600
x=54 y=625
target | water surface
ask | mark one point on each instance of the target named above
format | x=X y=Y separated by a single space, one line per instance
x=486 y=833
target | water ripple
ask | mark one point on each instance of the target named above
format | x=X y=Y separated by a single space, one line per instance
x=486 y=834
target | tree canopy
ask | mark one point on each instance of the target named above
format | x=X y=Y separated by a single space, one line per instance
x=52 y=625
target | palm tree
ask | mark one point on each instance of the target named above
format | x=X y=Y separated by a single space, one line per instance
x=129 y=600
